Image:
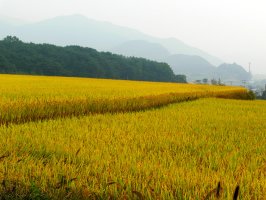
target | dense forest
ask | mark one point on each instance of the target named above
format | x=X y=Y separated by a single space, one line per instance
x=17 y=57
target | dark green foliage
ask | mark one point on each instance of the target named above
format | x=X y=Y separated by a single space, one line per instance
x=263 y=96
x=251 y=95
x=45 y=59
x=181 y=78
x=35 y=193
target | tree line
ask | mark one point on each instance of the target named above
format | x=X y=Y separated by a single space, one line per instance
x=17 y=57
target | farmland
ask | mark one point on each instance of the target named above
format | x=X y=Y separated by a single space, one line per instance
x=176 y=149
x=31 y=98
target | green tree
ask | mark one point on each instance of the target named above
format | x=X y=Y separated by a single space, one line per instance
x=180 y=78
x=11 y=39
x=45 y=59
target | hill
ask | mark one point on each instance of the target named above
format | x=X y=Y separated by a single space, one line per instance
x=175 y=46
x=103 y=36
x=197 y=68
x=194 y=67
x=232 y=72
x=45 y=59
x=142 y=48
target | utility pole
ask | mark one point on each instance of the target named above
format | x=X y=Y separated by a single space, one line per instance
x=249 y=68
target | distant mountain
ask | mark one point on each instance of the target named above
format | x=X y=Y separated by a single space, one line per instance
x=69 y=30
x=142 y=48
x=17 y=57
x=175 y=46
x=194 y=67
x=103 y=36
x=232 y=72
x=197 y=68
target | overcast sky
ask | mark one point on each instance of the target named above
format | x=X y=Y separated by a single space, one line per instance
x=233 y=30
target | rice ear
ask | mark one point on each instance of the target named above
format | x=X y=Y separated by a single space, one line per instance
x=78 y=151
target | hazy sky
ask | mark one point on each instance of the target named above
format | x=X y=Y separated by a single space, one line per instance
x=233 y=30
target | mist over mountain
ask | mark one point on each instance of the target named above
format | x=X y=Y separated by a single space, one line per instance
x=142 y=48
x=259 y=76
x=175 y=46
x=194 y=67
x=197 y=68
x=232 y=72
x=103 y=36
x=71 y=30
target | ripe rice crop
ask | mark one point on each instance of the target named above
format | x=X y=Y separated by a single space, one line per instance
x=31 y=98
x=180 y=151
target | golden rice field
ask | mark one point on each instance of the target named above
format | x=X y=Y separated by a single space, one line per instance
x=31 y=98
x=178 y=151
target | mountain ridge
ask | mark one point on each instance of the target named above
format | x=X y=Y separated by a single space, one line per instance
x=142 y=48
x=101 y=35
x=105 y=36
x=197 y=68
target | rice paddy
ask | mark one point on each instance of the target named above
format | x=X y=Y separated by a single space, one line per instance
x=32 y=98
x=176 y=149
